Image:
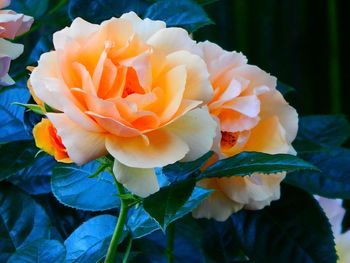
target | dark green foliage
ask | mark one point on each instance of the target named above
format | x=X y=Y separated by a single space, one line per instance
x=22 y=221
x=293 y=229
x=247 y=163
x=40 y=251
x=180 y=13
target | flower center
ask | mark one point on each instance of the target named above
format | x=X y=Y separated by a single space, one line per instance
x=132 y=84
x=228 y=139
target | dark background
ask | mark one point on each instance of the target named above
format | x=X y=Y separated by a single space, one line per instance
x=303 y=43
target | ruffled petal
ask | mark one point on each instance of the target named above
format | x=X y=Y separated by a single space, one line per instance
x=198 y=129
x=142 y=182
x=273 y=104
x=144 y=28
x=159 y=149
x=198 y=86
x=217 y=205
x=79 y=30
x=9 y=49
x=169 y=40
x=82 y=146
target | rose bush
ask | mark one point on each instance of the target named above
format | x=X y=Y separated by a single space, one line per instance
x=184 y=126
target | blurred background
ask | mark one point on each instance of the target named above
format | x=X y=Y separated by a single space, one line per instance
x=303 y=43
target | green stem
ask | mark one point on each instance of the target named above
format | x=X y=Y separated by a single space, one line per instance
x=334 y=57
x=170 y=243
x=127 y=252
x=118 y=231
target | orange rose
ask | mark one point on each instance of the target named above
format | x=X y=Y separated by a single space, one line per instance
x=46 y=138
x=253 y=116
x=129 y=87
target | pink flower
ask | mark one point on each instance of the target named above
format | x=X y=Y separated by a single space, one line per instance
x=11 y=25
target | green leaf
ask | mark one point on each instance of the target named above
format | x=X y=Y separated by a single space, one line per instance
x=36 y=178
x=333 y=181
x=18 y=155
x=22 y=221
x=284 y=88
x=90 y=241
x=247 y=163
x=98 y=11
x=35 y=8
x=293 y=229
x=180 y=171
x=40 y=251
x=32 y=107
x=164 y=205
x=331 y=130
x=180 y=13
x=11 y=116
x=140 y=223
x=73 y=187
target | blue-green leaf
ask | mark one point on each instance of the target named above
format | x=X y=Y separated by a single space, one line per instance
x=39 y=251
x=35 y=8
x=36 y=178
x=333 y=181
x=140 y=223
x=11 y=116
x=100 y=10
x=246 y=163
x=180 y=171
x=284 y=88
x=72 y=186
x=164 y=204
x=90 y=241
x=293 y=229
x=180 y=13
x=22 y=221
x=331 y=130
x=19 y=155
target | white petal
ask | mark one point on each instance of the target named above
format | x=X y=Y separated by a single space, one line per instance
x=144 y=28
x=142 y=182
x=79 y=30
x=168 y=40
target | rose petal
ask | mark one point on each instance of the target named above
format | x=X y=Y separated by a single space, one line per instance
x=143 y=28
x=82 y=146
x=142 y=182
x=9 y=49
x=168 y=40
x=197 y=129
x=162 y=149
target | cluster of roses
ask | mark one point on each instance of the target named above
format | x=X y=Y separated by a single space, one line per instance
x=150 y=96
x=11 y=25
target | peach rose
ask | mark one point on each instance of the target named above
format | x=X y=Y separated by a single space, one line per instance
x=46 y=138
x=129 y=87
x=11 y=25
x=253 y=116
x=335 y=213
